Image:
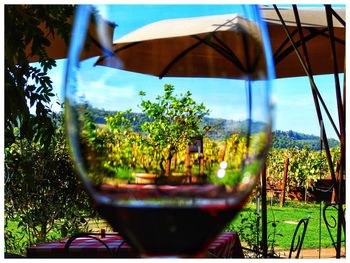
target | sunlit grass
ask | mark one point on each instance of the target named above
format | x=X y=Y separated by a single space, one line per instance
x=287 y=218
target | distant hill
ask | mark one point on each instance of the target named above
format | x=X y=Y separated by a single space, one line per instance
x=219 y=128
x=222 y=128
x=290 y=139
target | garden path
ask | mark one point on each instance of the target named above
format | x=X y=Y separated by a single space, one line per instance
x=314 y=253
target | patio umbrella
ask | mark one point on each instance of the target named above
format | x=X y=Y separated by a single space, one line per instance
x=203 y=46
x=315 y=30
x=191 y=47
x=58 y=47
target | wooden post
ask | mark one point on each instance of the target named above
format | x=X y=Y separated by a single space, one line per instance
x=334 y=197
x=188 y=161
x=224 y=151
x=201 y=165
x=175 y=161
x=283 y=190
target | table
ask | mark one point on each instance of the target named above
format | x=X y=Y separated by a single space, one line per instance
x=227 y=245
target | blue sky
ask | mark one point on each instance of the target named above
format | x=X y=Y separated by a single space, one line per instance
x=294 y=108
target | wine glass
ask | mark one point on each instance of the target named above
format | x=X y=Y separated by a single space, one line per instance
x=169 y=126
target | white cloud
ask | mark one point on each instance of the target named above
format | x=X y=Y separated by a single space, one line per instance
x=226 y=112
x=101 y=95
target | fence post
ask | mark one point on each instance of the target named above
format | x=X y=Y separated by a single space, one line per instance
x=188 y=161
x=283 y=190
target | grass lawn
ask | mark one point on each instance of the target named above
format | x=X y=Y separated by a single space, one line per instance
x=286 y=219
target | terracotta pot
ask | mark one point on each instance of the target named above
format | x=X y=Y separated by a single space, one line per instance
x=145 y=178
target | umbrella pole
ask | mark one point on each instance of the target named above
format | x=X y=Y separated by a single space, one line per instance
x=263 y=212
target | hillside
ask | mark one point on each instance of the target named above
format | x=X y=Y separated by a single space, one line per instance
x=220 y=127
x=289 y=139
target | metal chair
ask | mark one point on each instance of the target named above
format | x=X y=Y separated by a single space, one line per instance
x=331 y=222
x=299 y=233
x=95 y=237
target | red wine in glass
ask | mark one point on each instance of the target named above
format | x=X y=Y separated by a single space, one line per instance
x=158 y=225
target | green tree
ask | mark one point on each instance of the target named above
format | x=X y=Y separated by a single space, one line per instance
x=42 y=191
x=41 y=188
x=174 y=120
x=28 y=88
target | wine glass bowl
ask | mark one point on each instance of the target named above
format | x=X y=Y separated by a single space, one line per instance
x=169 y=161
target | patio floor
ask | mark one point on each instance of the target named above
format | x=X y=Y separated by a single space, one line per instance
x=314 y=253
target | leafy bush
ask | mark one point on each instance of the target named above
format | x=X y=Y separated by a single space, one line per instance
x=42 y=192
x=305 y=166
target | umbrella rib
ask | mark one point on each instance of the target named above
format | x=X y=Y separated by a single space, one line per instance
x=110 y=54
x=223 y=46
x=290 y=49
x=229 y=52
x=314 y=33
x=97 y=44
x=177 y=58
x=229 y=55
x=336 y=39
x=257 y=59
x=341 y=20
x=246 y=52
x=285 y=42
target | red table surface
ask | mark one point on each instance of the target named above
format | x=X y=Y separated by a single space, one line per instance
x=227 y=245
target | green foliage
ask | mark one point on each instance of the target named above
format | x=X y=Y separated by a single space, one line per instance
x=249 y=229
x=42 y=191
x=28 y=89
x=248 y=225
x=211 y=154
x=165 y=128
x=291 y=139
x=282 y=222
x=305 y=166
x=174 y=121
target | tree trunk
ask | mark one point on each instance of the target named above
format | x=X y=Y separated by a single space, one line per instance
x=175 y=162
x=161 y=165
x=283 y=190
x=168 y=165
x=42 y=233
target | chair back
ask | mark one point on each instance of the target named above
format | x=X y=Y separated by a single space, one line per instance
x=331 y=221
x=299 y=235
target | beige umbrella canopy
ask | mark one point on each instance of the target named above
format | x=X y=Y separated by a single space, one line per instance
x=210 y=46
x=215 y=46
x=315 y=30
x=58 y=48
